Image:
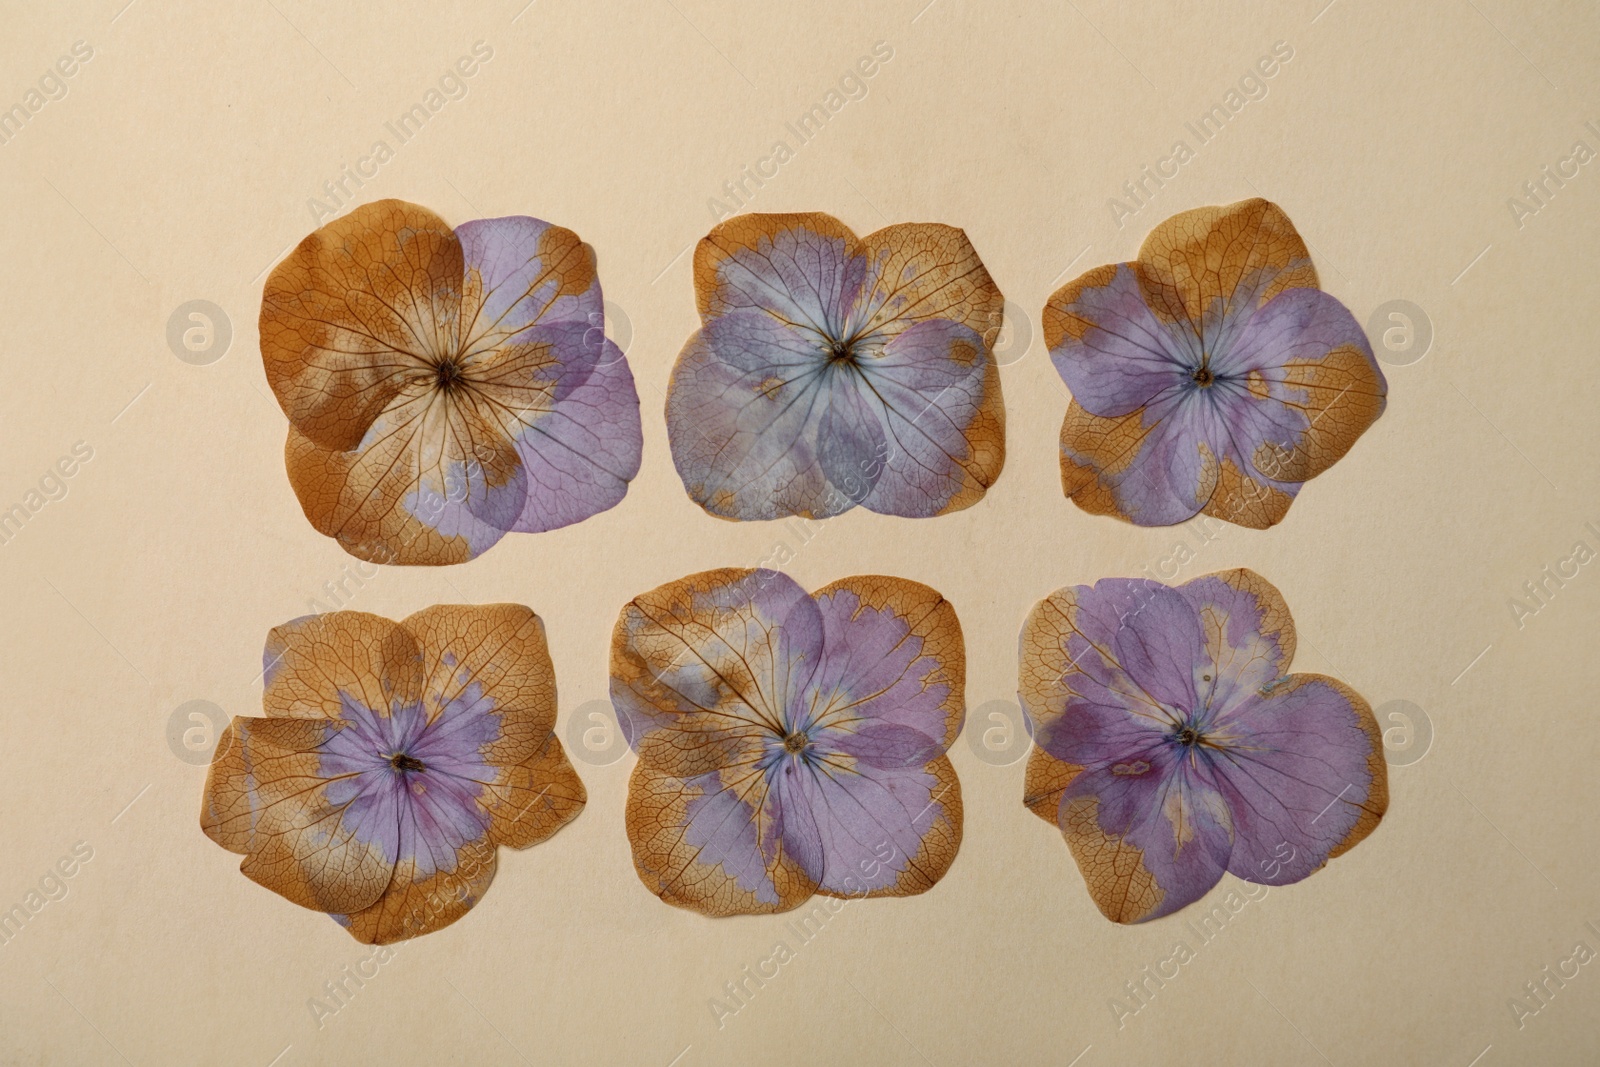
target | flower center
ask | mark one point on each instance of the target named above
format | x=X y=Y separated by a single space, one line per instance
x=839 y=352
x=1188 y=736
x=448 y=375
x=1202 y=376
x=402 y=762
x=796 y=743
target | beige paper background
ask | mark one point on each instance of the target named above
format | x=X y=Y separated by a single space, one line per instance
x=179 y=166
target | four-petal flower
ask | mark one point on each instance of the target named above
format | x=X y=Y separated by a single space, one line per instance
x=1172 y=744
x=789 y=743
x=1210 y=374
x=394 y=760
x=831 y=370
x=446 y=386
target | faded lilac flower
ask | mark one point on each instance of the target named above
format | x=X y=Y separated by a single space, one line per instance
x=1210 y=374
x=1172 y=744
x=832 y=370
x=446 y=386
x=393 y=762
x=789 y=744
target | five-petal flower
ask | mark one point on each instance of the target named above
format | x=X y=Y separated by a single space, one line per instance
x=446 y=386
x=394 y=760
x=1210 y=374
x=789 y=743
x=831 y=370
x=1172 y=744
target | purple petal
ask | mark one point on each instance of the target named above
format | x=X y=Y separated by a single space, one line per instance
x=796 y=826
x=929 y=384
x=580 y=455
x=1249 y=638
x=532 y=272
x=1132 y=649
x=1161 y=803
x=1296 y=772
x=743 y=410
x=1296 y=326
x=1308 y=386
x=796 y=275
x=455 y=742
x=876 y=682
x=1103 y=723
x=851 y=447
x=375 y=802
x=1160 y=644
x=438 y=815
x=889 y=746
x=1164 y=472
x=724 y=828
x=1124 y=357
x=870 y=827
